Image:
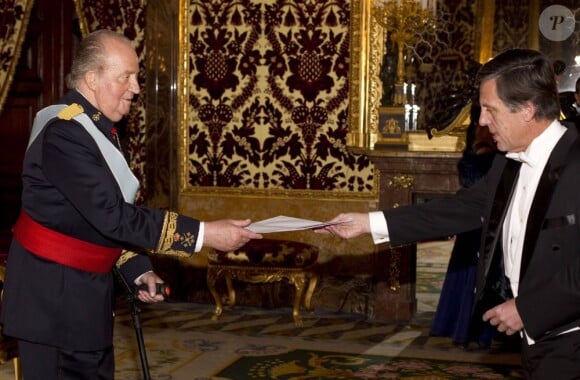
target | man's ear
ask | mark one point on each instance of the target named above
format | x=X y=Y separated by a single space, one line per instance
x=529 y=111
x=91 y=79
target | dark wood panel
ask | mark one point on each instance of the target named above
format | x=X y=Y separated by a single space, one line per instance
x=406 y=178
x=39 y=80
x=15 y=125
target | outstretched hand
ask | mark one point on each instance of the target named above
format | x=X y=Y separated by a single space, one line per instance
x=228 y=234
x=355 y=224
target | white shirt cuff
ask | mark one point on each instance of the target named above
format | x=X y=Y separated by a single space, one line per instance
x=139 y=278
x=200 y=233
x=379 y=229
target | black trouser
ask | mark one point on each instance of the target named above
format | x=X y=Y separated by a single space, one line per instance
x=40 y=362
x=553 y=358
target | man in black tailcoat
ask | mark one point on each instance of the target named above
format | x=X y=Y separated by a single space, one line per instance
x=529 y=209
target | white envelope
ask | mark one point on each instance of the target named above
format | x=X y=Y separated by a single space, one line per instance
x=283 y=223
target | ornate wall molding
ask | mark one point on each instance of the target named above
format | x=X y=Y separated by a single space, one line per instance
x=13 y=25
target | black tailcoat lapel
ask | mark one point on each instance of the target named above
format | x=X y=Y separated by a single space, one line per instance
x=543 y=195
x=492 y=286
x=498 y=210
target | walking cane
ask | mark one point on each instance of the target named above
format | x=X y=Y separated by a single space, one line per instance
x=131 y=298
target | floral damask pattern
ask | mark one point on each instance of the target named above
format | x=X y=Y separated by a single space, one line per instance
x=268 y=96
x=126 y=17
x=442 y=90
x=13 y=22
x=512 y=34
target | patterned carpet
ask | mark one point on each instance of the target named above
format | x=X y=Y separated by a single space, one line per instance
x=432 y=261
x=183 y=343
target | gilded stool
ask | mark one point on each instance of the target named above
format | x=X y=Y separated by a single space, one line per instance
x=263 y=261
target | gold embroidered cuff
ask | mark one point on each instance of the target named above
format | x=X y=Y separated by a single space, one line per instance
x=125 y=256
x=175 y=253
x=167 y=232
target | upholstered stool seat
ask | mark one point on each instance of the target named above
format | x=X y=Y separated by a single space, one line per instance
x=263 y=261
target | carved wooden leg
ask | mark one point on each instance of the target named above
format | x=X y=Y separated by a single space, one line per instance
x=212 y=276
x=299 y=281
x=311 y=286
x=231 y=291
x=17 y=369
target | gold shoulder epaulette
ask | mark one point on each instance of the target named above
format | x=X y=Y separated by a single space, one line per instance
x=71 y=111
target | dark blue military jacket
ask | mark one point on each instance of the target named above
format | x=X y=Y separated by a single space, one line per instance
x=68 y=187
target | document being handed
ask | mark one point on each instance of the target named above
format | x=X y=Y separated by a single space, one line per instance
x=286 y=223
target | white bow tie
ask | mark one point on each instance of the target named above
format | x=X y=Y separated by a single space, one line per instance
x=520 y=157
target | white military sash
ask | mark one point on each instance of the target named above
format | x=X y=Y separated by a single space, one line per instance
x=115 y=160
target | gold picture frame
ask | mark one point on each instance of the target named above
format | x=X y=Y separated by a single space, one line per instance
x=185 y=191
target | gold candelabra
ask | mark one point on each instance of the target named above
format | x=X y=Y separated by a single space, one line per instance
x=403 y=20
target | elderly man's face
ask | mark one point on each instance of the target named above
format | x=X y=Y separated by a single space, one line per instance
x=116 y=83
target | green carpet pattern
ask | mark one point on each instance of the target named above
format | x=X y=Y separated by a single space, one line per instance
x=184 y=343
x=309 y=364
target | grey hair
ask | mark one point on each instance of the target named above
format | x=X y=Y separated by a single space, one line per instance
x=524 y=75
x=91 y=55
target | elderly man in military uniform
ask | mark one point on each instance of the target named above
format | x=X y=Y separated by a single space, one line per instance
x=78 y=222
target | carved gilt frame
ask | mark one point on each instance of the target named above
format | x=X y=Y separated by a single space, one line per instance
x=367 y=50
x=184 y=112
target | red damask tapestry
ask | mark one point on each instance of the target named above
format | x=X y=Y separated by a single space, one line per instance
x=268 y=96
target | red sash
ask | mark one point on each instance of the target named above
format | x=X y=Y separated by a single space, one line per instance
x=63 y=249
